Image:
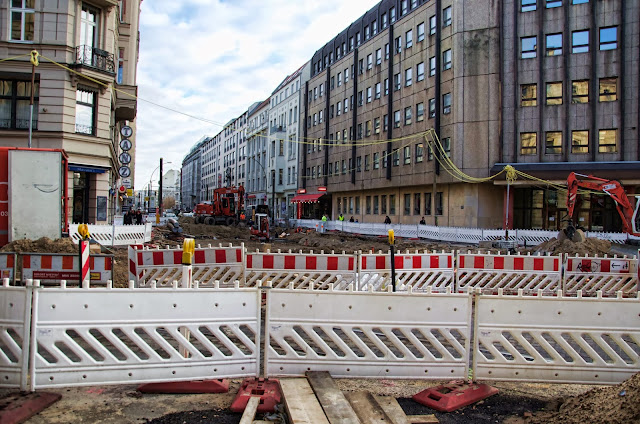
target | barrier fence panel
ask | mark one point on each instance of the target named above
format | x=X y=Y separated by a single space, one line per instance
x=121 y=235
x=301 y=270
x=367 y=334
x=556 y=339
x=15 y=325
x=490 y=272
x=533 y=237
x=124 y=336
x=593 y=274
x=417 y=270
x=7 y=265
x=51 y=268
x=164 y=266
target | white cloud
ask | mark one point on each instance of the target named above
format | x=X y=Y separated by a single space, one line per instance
x=214 y=58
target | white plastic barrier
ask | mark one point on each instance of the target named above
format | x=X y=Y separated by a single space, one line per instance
x=418 y=270
x=556 y=339
x=593 y=274
x=300 y=269
x=367 y=334
x=125 y=235
x=15 y=325
x=124 y=336
x=55 y=267
x=7 y=265
x=490 y=272
x=224 y=265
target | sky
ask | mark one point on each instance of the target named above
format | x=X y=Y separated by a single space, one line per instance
x=212 y=59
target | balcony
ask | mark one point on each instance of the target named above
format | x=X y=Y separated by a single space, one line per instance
x=126 y=102
x=97 y=62
x=278 y=128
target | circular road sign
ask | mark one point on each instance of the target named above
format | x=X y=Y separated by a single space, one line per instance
x=124 y=171
x=122 y=189
x=126 y=131
x=125 y=158
x=125 y=144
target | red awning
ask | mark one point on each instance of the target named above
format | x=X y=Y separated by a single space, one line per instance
x=307 y=198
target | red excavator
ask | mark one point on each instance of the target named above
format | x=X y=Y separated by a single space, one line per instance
x=227 y=207
x=614 y=189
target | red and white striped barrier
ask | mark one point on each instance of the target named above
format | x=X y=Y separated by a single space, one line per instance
x=491 y=272
x=418 y=270
x=7 y=265
x=608 y=275
x=84 y=261
x=53 y=268
x=302 y=270
x=164 y=266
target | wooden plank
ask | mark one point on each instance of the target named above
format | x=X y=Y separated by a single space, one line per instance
x=301 y=403
x=333 y=402
x=392 y=409
x=250 y=410
x=366 y=408
x=423 y=419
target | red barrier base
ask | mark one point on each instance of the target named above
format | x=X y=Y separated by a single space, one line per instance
x=268 y=391
x=18 y=407
x=455 y=395
x=190 y=387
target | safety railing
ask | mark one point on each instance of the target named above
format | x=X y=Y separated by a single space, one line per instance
x=119 y=235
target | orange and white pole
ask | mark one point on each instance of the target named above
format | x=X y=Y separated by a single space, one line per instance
x=85 y=277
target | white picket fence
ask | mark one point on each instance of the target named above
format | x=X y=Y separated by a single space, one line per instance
x=451 y=234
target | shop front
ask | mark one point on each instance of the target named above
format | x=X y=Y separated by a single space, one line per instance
x=312 y=206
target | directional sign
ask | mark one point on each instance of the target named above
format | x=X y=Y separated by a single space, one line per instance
x=125 y=144
x=125 y=158
x=126 y=131
x=124 y=171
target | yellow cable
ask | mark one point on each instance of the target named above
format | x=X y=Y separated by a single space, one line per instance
x=15 y=57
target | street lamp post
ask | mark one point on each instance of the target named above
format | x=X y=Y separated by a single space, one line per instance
x=150 y=188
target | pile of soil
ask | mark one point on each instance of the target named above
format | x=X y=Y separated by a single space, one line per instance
x=588 y=247
x=42 y=245
x=614 y=404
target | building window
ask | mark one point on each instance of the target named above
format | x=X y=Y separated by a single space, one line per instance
x=378 y=56
x=439 y=203
x=580 y=91
x=553 y=143
x=359 y=163
x=383 y=204
x=376 y=205
x=85 y=111
x=376 y=125
x=528 y=46
x=554 y=93
x=608 y=89
x=529 y=95
x=580 y=41
x=407 y=204
x=528 y=143
x=404 y=7
x=346 y=75
x=344 y=167
x=579 y=1
x=446 y=103
x=392 y=15
x=408 y=77
x=386 y=51
x=427 y=203
x=446 y=145
x=432 y=25
x=607 y=141
x=407 y=115
x=367 y=131
x=367 y=203
x=554 y=44
x=383 y=24
x=416 y=204
x=420 y=112
x=378 y=91
x=419 y=152
x=528 y=5
x=409 y=39
x=396 y=119
x=392 y=204
x=397 y=81
x=386 y=86
x=369 y=61
x=420 y=31
x=366 y=32
x=360 y=98
x=432 y=108
x=366 y=162
x=407 y=155
x=420 y=71
x=608 y=38
x=369 y=94
x=385 y=123
x=374 y=27
x=446 y=16
x=15 y=98
x=22 y=20
x=376 y=160
x=446 y=59
x=580 y=142
x=396 y=157
x=432 y=66
x=553 y=3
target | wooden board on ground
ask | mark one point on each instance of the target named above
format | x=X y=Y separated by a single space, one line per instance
x=366 y=407
x=392 y=409
x=423 y=419
x=335 y=405
x=301 y=403
x=250 y=410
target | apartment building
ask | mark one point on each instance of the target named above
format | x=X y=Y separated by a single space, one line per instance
x=211 y=172
x=257 y=134
x=191 y=176
x=81 y=109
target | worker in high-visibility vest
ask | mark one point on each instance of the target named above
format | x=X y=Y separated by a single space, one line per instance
x=340 y=218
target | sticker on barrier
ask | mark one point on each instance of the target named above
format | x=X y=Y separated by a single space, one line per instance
x=490 y=272
x=608 y=275
x=15 y=323
x=417 y=270
x=144 y=335
x=7 y=265
x=367 y=334
x=556 y=339
x=224 y=265
x=51 y=268
x=301 y=270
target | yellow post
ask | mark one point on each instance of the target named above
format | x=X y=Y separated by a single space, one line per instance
x=393 y=259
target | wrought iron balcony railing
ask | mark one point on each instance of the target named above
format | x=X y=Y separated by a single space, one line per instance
x=96 y=58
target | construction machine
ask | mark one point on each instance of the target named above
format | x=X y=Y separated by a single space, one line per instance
x=260 y=228
x=226 y=207
x=614 y=189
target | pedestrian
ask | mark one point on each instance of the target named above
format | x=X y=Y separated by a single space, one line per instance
x=139 y=217
x=423 y=222
x=340 y=218
x=387 y=220
x=351 y=219
x=324 y=217
x=128 y=219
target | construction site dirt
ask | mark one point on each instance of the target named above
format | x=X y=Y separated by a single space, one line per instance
x=515 y=403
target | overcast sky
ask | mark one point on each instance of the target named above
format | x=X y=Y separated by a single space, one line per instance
x=212 y=59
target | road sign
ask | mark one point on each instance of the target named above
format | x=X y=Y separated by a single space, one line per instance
x=125 y=158
x=126 y=182
x=125 y=144
x=124 y=171
x=126 y=131
x=122 y=189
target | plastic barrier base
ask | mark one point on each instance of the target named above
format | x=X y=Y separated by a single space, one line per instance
x=454 y=395
x=268 y=391
x=189 y=387
x=17 y=408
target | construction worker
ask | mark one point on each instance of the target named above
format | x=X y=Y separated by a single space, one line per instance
x=340 y=218
x=242 y=216
x=324 y=217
